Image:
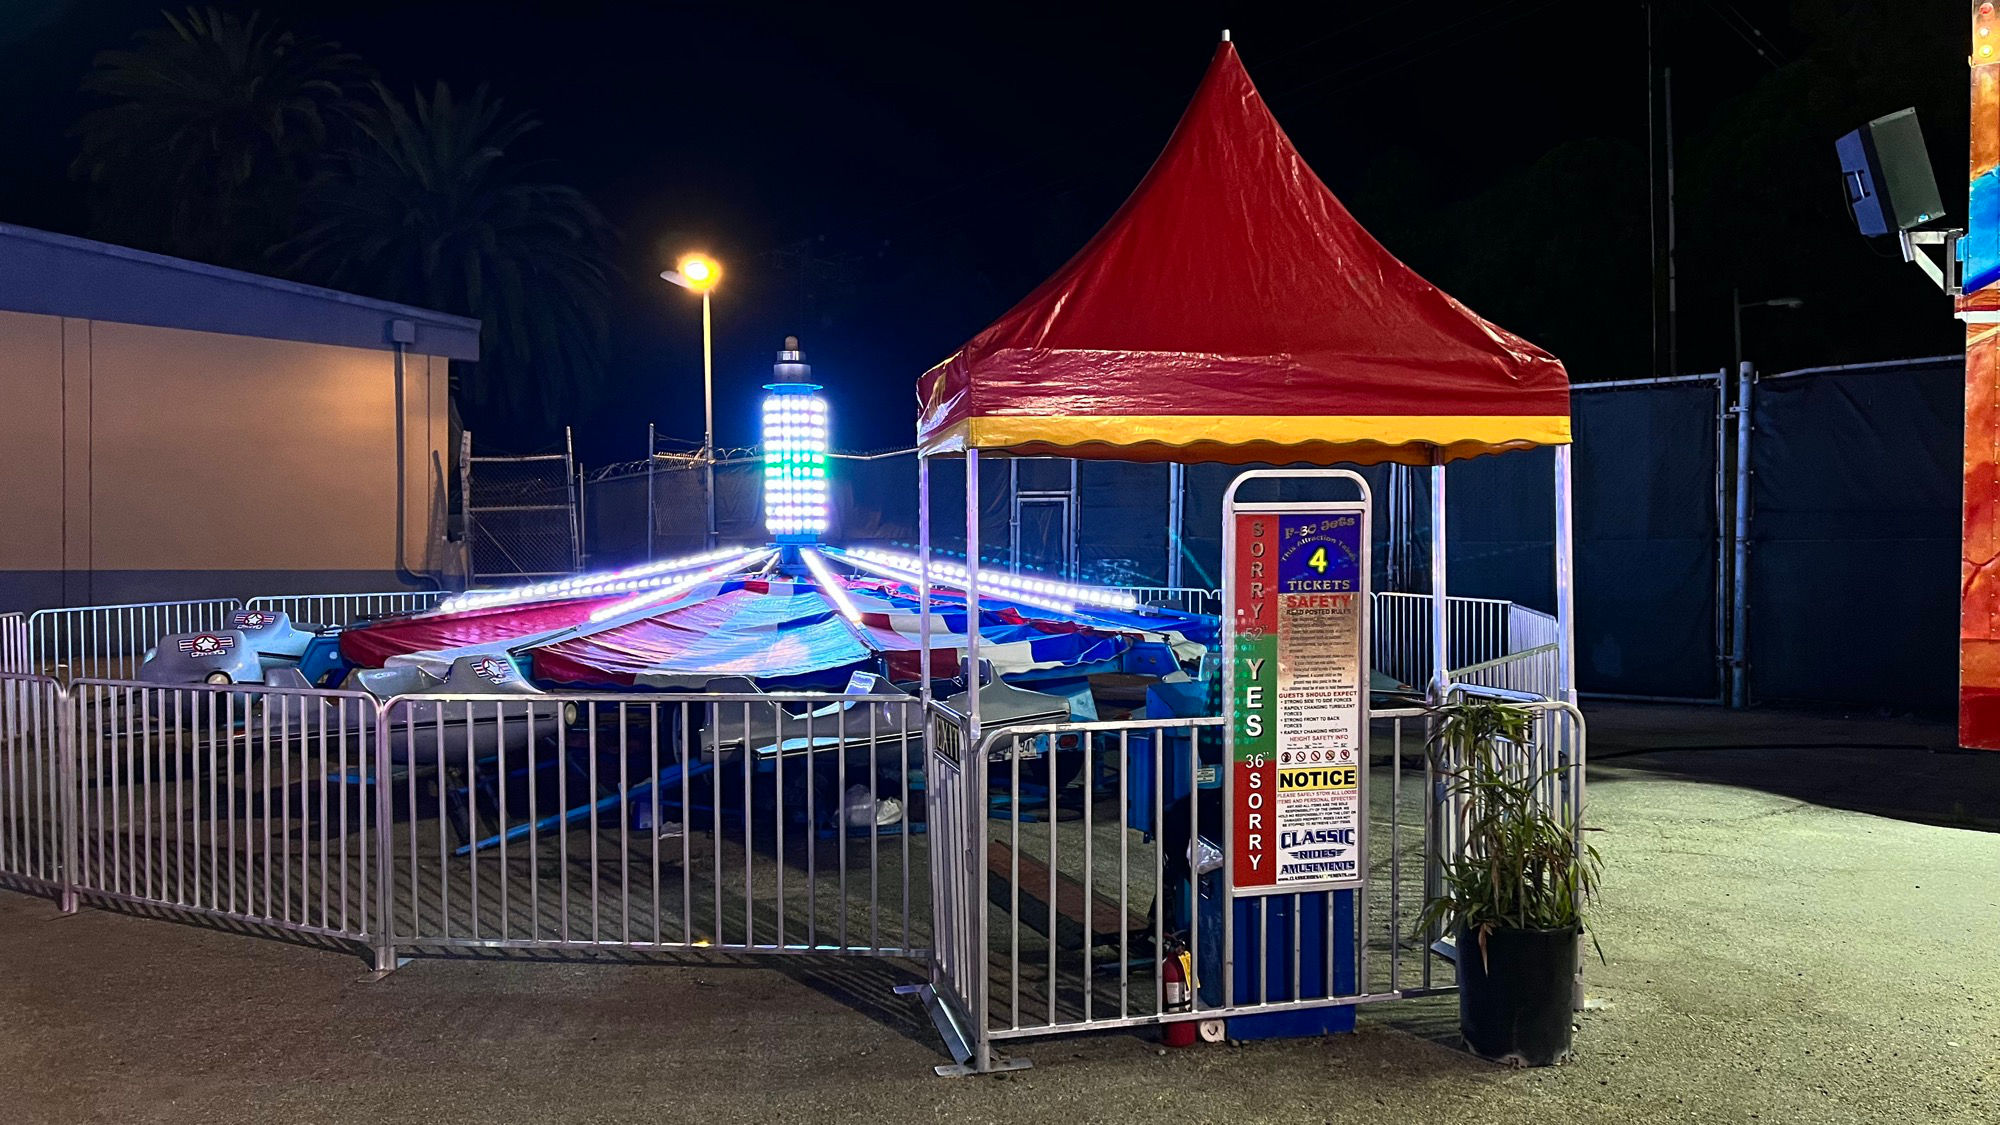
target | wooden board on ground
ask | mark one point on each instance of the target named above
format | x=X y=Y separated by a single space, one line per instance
x=1104 y=913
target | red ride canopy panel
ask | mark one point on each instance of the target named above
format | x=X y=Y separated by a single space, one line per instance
x=1232 y=310
x=372 y=645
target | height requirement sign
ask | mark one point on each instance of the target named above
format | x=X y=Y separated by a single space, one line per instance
x=1297 y=616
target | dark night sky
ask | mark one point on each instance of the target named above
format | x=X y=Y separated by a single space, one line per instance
x=884 y=181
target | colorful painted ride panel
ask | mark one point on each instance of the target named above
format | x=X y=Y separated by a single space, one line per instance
x=1979 y=307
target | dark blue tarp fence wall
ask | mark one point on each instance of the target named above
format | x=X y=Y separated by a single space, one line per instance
x=1644 y=480
x=1854 y=532
x=1852 y=593
x=1855 y=537
x=1500 y=515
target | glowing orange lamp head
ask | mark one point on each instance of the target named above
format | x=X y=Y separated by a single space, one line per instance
x=700 y=272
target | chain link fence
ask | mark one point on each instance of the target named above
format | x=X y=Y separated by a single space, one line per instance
x=523 y=516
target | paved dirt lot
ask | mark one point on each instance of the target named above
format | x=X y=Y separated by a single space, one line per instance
x=1801 y=921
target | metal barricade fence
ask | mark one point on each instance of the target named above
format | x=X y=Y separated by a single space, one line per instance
x=1530 y=628
x=239 y=802
x=1173 y=871
x=956 y=992
x=346 y=609
x=1052 y=910
x=109 y=642
x=1477 y=630
x=35 y=789
x=1555 y=752
x=1054 y=922
x=1536 y=671
x=751 y=822
x=14 y=654
x=1187 y=599
x=1039 y=872
x=1531 y=662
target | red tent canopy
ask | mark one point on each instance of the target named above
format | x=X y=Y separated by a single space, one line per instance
x=1232 y=310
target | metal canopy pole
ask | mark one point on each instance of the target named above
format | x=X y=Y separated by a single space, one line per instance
x=1176 y=487
x=1392 y=512
x=924 y=590
x=1072 y=522
x=972 y=759
x=972 y=604
x=1014 y=514
x=1565 y=578
x=1566 y=662
x=1440 y=656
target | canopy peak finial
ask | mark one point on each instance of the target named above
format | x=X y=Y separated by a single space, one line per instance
x=1225 y=35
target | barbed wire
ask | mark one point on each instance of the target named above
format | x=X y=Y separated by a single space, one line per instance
x=740 y=455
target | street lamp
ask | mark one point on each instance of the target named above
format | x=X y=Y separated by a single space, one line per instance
x=699 y=273
x=1737 y=305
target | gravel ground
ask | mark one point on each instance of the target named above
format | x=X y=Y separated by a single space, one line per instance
x=1800 y=921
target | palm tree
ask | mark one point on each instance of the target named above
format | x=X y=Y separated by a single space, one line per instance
x=210 y=131
x=431 y=207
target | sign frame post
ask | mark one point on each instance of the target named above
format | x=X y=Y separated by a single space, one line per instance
x=1346 y=525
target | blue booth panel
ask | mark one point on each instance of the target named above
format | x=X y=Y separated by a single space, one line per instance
x=1263 y=939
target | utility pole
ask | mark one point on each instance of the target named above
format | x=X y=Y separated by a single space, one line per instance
x=1661 y=218
x=1673 y=265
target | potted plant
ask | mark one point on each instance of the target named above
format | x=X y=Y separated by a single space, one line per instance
x=1515 y=891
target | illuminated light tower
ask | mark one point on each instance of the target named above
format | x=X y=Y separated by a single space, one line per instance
x=795 y=444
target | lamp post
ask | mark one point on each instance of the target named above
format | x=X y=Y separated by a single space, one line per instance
x=699 y=273
x=1736 y=306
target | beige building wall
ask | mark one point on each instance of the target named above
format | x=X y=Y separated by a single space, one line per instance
x=146 y=463
x=32 y=436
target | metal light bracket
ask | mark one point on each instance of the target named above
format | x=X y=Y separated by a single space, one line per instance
x=1947 y=272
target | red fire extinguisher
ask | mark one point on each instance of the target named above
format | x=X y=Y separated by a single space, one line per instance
x=1177 y=981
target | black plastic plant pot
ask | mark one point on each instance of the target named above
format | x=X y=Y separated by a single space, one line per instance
x=1514 y=1002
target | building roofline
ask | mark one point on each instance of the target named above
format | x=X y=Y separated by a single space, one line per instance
x=61 y=275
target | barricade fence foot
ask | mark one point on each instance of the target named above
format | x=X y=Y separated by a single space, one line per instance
x=952 y=1030
x=385 y=962
x=997 y=1064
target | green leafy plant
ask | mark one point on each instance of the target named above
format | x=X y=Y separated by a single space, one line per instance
x=1522 y=865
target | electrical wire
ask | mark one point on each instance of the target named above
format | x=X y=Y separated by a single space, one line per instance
x=1739 y=23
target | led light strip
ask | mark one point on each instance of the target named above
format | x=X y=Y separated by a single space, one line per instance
x=831 y=585
x=911 y=578
x=742 y=561
x=646 y=577
x=1012 y=585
